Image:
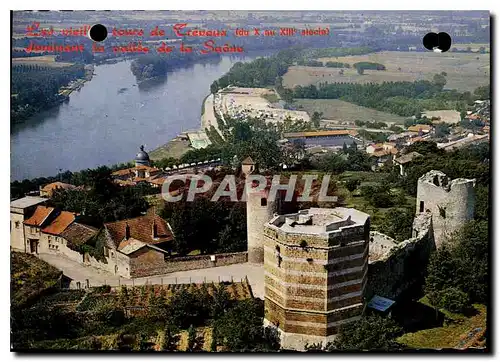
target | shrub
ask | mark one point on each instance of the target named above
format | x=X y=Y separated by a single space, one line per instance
x=454 y=300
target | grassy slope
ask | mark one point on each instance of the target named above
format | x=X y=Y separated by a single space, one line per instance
x=29 y=277
x=448 y=336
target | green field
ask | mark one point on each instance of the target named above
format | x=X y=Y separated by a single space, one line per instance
x=465 y=71
x=45 y=60
x=175 y=148
x=335 y=109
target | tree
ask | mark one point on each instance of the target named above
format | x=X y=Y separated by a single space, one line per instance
x=439 y=80
x=462 y=263
x=442 y=130
x=398 y=223
x=171 y=338
x=369 y=333
x=213 y=343
x=241 y=329
x=352 y=184
x=214 y=87
x=192 y=339
x=482 y=92
x=316 y=118
x=454 y=300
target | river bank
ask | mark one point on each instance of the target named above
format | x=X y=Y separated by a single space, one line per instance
x=178 y=146
x=102 y=126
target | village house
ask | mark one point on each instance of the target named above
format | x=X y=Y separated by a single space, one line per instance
x=404 y=160
x=51 y=231
x=20 y=210
x=135 y=245
x=382 y=152
x=420 y=128
x=48 y=190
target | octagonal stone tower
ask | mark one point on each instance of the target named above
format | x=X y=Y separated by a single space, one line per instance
x=451 y=202
x=316 y=264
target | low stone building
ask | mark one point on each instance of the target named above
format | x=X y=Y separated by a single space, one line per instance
x=51 y=231
x=134 y=246
x=316 y=264
x=20 y=210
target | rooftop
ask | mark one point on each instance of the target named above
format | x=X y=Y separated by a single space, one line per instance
x=27 y=201
x=141 y=229
x=407 y=158
x=39 y=216
x=319 y=220
x=57 y=185
x=60 y=223
x=78 y=234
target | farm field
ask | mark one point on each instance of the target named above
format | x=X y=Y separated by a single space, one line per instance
x=465 y=71
x=335 y=109
x=47 y=60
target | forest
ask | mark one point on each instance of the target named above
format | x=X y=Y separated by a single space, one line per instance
x=36 y=87
x=264 y=72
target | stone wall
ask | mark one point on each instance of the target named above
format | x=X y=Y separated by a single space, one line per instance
x=451 y=202
x=189 y=263
x=17 y=232
x=403 y=266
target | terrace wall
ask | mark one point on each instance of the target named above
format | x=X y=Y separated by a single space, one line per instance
x=188 y=263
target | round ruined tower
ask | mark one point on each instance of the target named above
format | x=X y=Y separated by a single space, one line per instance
x=259 y=211
x=451 y=202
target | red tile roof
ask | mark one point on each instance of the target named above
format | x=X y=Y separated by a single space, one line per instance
x=40 y=214
x=141 y=228
x=57 y=185
x=78 y=234
x=124 y=172
x=60 y=223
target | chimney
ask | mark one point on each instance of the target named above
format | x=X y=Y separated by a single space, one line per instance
x=127 y=231
x=155 y=230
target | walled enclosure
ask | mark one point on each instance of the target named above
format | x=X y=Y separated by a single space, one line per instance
x=315 y=264
x=450 y=202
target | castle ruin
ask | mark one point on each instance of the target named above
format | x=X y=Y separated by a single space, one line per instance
x=450 y=202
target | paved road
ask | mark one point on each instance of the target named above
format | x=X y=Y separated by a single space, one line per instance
x=236 y=272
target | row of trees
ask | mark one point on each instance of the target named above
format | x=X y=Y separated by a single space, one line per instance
x=402 y=98
x=369 y=66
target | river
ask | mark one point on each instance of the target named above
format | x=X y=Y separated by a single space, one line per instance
x=106 y=121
